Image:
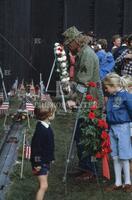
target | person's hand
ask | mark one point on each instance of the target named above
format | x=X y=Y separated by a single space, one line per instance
x=128 y=56
x=38 y=168
x=71 y=104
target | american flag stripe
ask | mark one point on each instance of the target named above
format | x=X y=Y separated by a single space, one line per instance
x=27 y=152
x=29 y=107
x=1 y=96
x=4 y=106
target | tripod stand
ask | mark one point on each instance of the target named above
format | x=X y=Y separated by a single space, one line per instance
x=72 y=141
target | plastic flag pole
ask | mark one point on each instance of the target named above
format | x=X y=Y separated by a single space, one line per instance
x=63 y=99
x=24 y=138
x=3 y=84
x=52 y=69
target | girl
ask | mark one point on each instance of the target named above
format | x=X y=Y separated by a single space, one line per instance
x=42 y=146
x=128 y=87
x=119 y=116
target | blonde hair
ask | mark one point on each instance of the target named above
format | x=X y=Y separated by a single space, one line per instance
x=128 y=81
x=113 y=79
x=45 y=110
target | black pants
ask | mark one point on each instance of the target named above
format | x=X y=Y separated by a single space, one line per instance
x=84 y=162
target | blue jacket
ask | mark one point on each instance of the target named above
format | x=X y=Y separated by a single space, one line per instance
x=119 y=108
x=42 y=145
x=106 y=63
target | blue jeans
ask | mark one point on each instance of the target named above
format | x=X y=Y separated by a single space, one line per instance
x=84 y=162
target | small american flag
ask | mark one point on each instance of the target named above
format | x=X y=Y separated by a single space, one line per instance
x=27 y=151
x=4 y=107
x=29 y=107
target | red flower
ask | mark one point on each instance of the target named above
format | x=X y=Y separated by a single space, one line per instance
x=60 y=49
x=106 y=150
x=89 y=97
x=92 y=84
x=102 y=124
x=91 y=115
x=98 y=155
x=104 y=144
x=104 y=135
x=94 y=107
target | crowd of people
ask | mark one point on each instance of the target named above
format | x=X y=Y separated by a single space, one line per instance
x=112 y=72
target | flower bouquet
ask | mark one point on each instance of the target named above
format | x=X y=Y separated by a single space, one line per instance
x=95 y=137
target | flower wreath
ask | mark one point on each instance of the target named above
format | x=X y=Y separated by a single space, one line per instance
x=62 y=66
x=95 y=137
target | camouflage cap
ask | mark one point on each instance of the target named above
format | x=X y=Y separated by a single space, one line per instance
x=70 y=34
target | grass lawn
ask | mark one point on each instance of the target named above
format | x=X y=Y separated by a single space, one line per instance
x=25 y=189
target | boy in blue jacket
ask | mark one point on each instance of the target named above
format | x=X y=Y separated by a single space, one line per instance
x=42 y=146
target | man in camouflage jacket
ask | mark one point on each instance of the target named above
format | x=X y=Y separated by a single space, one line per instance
x=86 y=70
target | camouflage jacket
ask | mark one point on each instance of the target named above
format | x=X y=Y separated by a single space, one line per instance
x=87 y=69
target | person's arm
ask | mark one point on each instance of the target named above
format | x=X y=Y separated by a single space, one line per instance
x=38 y=146
x=128 y=56
x=121 y=58
x=128 y=102
x=86 y=68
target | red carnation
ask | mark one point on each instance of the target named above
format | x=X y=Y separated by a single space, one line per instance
x=104 y=135
x=102 y=124
x=89 y=97
x=92 y=84
x=60 y=49
x=94 y=107
x=91 y=115
x=98 y=155
x=105 y=125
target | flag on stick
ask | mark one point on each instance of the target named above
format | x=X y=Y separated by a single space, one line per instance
x=27 y=151
x=29 y=107
x=4 y=107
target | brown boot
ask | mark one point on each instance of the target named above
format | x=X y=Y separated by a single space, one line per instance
x=112 y=188
x=127 y=188
x=86 y=176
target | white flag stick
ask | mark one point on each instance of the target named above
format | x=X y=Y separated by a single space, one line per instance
x=22 y=165
x=40 y=77
x=3 y=84
x=52 y=69
x=63 y=99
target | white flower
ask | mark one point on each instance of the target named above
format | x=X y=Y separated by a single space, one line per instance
x=56 y=44
x=64 y=58
x=68 y=78
x=63 y=53
x=58 y=70
x=58 y=52
x=64 y=73
x=59 y=59
x=64 y=80
x=63 y=65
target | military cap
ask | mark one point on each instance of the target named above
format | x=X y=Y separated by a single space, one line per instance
x=71 y=34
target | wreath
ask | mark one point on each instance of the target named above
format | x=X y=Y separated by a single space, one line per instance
x=62 y=66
